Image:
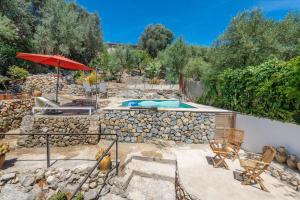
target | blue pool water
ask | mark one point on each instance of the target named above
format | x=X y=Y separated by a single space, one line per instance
x=156 y=103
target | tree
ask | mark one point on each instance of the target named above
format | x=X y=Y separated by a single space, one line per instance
x=59 y=31
x=92 y=41
x=101 y=61
x=7 y=28
x=140 y=59
x=153 y=68
x=287 y=36
x=249 y=40
x=197 y=69
x=155 y=38
x=174 y=58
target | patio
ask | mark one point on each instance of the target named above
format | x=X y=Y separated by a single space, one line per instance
x=197 y=176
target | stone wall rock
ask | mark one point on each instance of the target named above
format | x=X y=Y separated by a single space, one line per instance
x=12 y=112
x=46 y=83
x=143 y=125
x=39 y=124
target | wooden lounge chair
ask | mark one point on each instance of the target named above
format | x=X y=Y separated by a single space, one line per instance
x=221 y=154
x=254 y=168
x=235 y=139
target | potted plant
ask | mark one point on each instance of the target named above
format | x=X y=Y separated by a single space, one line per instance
x=105 y=163
x=4 y=148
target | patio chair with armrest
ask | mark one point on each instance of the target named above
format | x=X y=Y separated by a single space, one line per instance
x=254 y=168
x=235 y=139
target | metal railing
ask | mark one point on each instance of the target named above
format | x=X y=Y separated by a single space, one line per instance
x=115 y=141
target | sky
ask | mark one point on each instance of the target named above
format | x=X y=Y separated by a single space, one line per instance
x=199 y=22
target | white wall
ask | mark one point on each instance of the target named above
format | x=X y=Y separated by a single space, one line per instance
x=262 y=131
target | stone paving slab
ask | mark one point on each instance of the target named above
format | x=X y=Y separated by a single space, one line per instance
x=202 y=180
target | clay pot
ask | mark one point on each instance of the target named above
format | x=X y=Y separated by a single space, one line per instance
x=292 y=161
x=281 y=154
x=2 y=96
x=2 y=160
x=105 y=163
x=37 y=93
x=8 y=96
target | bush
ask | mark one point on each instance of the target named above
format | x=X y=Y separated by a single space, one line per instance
x=17 y=73
x=79 y=77
x=63 y=196
x=153 y=69
x=59 y=196
x=197 y=69
x=268 y=90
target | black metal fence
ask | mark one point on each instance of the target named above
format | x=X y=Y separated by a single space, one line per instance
x=115 y=167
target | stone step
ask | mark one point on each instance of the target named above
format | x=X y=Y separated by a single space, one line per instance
x=149 y=178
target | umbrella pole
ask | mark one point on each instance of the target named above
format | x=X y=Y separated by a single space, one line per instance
x=57 y=84
x=96 y=88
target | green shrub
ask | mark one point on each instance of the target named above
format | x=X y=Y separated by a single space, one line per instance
x=270 y=90
x=59 y=196
x=153 y=69
x=17 y=73
x=63 y=196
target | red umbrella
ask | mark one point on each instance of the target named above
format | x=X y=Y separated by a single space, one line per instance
x=56 y=61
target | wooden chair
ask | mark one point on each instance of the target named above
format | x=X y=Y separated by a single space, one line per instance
x=221 y=154
x=235 y=139
x=254 y=168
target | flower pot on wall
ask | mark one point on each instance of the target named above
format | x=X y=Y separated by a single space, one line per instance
x=281 y=154
x=292 y=161
x=9 y=96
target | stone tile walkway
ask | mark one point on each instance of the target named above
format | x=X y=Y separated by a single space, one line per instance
x=202 y=180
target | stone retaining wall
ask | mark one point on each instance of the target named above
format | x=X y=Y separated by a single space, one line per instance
x=131 y=126
x=46 y=83
x=12 y=112
x=39 y=124
x=143 y=125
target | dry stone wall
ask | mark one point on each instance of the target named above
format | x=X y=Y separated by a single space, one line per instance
x=46 y=83
x=39 y=124
x=143 y=125
x=12 y=112
x=130 y=126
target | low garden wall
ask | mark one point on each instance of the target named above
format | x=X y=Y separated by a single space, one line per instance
x=261 y=131
x=12 y=111
x=142 y=125
x=39 y=124
x=131 y=126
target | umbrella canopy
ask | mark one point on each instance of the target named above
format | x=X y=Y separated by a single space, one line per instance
x=55 y=61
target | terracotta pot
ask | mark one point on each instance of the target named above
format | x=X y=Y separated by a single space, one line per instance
x=281 y=154
x=37 y=93
x=105 y=163
x=2 y=160
x=25 y=96
x=8 y=96
x=2 y=96
x=292 y=161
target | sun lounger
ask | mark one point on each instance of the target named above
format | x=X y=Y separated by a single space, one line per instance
x=45 y=105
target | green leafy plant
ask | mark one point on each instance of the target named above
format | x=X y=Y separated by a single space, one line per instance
x=17 y=73
x=153 y=69
x=270 y=90
x=63 y=196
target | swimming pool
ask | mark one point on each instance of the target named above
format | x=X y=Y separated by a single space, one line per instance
x=156 y=103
